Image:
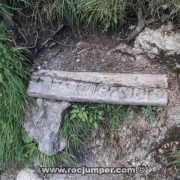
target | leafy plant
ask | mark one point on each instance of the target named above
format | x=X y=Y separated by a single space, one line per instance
x=84 y=118
x=115 y=115
x=149 y=112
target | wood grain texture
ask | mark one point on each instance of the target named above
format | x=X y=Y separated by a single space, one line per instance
x=115 y=88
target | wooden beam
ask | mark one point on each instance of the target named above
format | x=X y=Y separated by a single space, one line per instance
x=115 y=88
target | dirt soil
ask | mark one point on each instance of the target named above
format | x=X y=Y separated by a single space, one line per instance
x=92 y=53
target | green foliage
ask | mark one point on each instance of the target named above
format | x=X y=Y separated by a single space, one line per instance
x=30 y=150
x=84 y=118
x=4 y=33
x=107 y=13
x=149 y=112
x=26 y=138
x=115 y=115
x=176 y=155
x=76 y=129
x=91 y=116
x=13 y=100
x=4 y=10
x=90 y=14
x=166 y=69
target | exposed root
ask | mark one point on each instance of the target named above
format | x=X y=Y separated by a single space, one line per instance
x=51 y=38
x=139 y=28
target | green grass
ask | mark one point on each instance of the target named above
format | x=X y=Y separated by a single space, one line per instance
x=15 y=145
x=176 y=155
x=103 y=14
x=13 y=100
x=4 y=11
x=82 y=120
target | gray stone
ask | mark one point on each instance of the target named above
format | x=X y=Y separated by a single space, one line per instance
x=57 y=177
x=28 y=174
x=7 y=175
x=151 y=42
x=142 y=60
x=43 y=122
x=37 y=162
x=140 y=141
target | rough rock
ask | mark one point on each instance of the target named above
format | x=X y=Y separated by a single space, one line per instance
x=28 y=174
x=152 y=41
x=43 y=122
x=149 y=44
x=141 y=141
x=7 y=175
x=142 y=60
x=57 y=176
x=36 y=160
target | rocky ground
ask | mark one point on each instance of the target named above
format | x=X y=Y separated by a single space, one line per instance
x=139 y=140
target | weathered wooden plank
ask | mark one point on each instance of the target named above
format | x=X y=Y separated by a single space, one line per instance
x=101 y=88
x=117 y=79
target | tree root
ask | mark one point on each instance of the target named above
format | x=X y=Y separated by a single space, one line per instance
x=139 y=28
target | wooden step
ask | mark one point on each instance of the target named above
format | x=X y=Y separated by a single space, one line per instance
x=115 y=88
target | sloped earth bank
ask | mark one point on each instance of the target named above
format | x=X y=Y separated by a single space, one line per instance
x=139 y=140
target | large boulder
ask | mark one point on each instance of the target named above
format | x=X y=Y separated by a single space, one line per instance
x=43 y=125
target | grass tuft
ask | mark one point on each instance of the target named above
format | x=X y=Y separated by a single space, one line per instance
x=99 y=14
x=176 y=155
x=13 y=99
